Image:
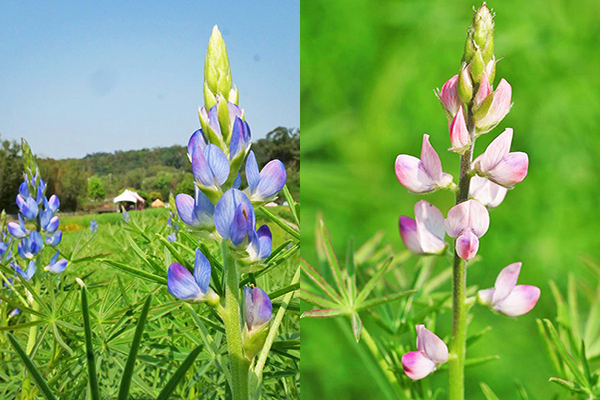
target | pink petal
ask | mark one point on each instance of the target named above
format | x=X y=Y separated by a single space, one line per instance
x=411 y=173
x=511 y=170
x=448 y=95
x=484 y=90
x=416 y=365
x=520 y=301
x=431 y=160
x=499 y=108
x=467 y=245
x=506 y=282
x=430 y=227
x=494 y=152
x=431 y=345
x=410 y=237
x=468 y=215
x=459 y=135
x=486 y=192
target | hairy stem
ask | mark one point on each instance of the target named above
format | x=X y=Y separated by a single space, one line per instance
x=459 y=285
x=231 y=318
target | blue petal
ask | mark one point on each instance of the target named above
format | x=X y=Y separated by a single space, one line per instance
x=36 y=242
x=45 y=218
x=16 y=230
x=27 y=275
x=225 y=211
x=53 y=224
x=213 y=119
x=272 y=180
x=237 y=182
x=54 y=258
x=201 y=169
x=20 y=201
x=237 y=138
x=234 y=112
x=55 y=239
x=58 y=267
x=24 y=190
x=219 y=164
x=238 y=229
x=182 y=284
x=197 y=141
x=252 y=174
x=265 y=240
x=29 y=209
x=202 y=271
x=203 y=209
x=258 y=308
x=54 y=203
x=185 y=208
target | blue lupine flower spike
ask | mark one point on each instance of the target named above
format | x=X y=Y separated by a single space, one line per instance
x=192 y=288
x=264 y=185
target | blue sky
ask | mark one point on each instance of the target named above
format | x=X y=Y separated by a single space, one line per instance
x=82 y=77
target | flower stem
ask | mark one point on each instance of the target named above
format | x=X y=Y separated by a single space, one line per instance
x=231 y=318
x=459 y=285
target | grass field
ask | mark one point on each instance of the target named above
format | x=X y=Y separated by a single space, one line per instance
x=368 y=75
x=121 y=265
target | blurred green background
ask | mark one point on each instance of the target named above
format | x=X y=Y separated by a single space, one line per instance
x=368 y=71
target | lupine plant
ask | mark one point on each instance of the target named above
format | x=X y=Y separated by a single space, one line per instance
x=473 y=106
x=154 y=305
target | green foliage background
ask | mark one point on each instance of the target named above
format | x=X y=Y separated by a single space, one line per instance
x=368 y=73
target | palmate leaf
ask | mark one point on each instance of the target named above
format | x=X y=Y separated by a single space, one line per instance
x=136 y=272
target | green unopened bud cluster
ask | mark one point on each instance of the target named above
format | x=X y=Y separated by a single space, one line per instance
x=217 y=73
x=478 y=58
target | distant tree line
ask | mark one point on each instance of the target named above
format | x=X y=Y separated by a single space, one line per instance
x=153 y=173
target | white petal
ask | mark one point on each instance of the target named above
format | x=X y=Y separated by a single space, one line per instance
x=486 y=192
x=430 y=227
x=468 y=215
x=431 y=160
x=511 y=170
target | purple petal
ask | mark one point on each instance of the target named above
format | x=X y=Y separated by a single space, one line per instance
x=218 y=162
x=201 y=169
x=197 y=141
x=257 y=308
x=225 y=211
x=265 y=240
x=185 y=208
x=252 y=173
x=272 y=180
x=410 y=237
x=202 y=271
x=181 y=283
x=416 y=365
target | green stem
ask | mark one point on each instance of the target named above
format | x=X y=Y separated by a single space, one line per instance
x=25 y=393
x=231 y=318
x=456 y=361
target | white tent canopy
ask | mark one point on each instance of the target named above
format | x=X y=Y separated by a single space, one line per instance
x=129 y=197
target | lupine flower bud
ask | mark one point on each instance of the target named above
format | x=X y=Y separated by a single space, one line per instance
x=465 y=85
x=459 y=134
x=425 y=234
x=486 y=192
x=484 y=90
x=422 y=175
x=448 y=96
x=508 y=298
x=482 y=29
x=192 y=288
x=257 y=314
x=217 y=73
x=467 y=221
x=431 y=352
x=501 y=166
x=477 y=66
